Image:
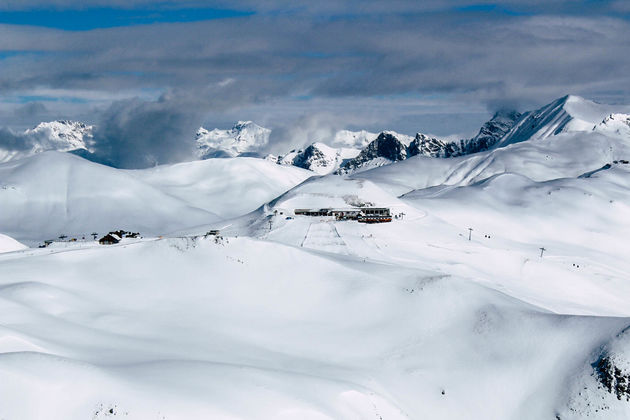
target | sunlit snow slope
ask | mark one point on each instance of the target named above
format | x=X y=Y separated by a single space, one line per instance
x=53 y=194
x=500 y=290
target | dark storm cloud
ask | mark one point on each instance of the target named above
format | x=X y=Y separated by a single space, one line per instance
x=520 y=54
x=14 y=142
x=138 y=134
x=21 y=141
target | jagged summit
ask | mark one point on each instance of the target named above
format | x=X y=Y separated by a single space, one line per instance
x=318 y=157
x=347 y=151
x=618 y=124
x=388 y=147
x=62 y=135
x=391 y=147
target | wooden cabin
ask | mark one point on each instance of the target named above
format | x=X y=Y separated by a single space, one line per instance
x=109 y=239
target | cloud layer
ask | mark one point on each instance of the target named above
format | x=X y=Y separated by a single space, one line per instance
x=153 y=84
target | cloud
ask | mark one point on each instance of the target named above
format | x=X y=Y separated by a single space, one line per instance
x=299 y=133
x=138 y=134
x=339 y=55
x=30 y=110
x=14 y=142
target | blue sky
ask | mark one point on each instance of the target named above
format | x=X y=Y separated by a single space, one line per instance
x=103 y=17
x=435 y=66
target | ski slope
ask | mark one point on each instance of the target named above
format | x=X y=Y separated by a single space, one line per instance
x=500 y=290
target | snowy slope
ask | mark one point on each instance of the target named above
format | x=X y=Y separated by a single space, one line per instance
x=565 y=115
x=8 y=244
x=568 y=154
x=226 y=187
x=288 y=316
x=194 y=329
x=55 y=193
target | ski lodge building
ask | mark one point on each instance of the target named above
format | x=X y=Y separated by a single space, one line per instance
x=363 y=215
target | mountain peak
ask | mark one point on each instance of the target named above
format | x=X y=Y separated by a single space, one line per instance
x=245 y=137
x=569 y=113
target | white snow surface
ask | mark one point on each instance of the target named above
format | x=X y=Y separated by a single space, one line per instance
x=53 y=193
x=449 y=311
x=568 y=114
x=8 y=244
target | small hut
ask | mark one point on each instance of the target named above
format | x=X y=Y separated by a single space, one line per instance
x=109 y=239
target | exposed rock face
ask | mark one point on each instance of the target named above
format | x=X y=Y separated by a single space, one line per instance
x=491 y=132
x=614 y=379
x=318 y=157
x=390 y=147
x=602 y=389
x=489 y=135
x=312 y=156
x=387 y=146
x=430 y=146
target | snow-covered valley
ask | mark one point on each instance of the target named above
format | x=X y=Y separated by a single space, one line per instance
x=500 y=289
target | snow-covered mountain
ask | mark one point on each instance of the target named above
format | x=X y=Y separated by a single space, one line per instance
x=388 y=147
x=318 y=157
x=62 y=136
x=498 y=291
x=615 y=124
x=245 y=137
x=489 y=135
x=391 y=147
x=565 y=115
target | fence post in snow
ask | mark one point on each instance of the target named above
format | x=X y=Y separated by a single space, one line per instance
x=470 y=233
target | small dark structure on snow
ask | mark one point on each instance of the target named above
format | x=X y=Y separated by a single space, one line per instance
x=363 y=215
x=109 y=239
x=375 y=215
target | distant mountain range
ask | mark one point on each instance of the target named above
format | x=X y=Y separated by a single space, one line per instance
x=351 y=151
